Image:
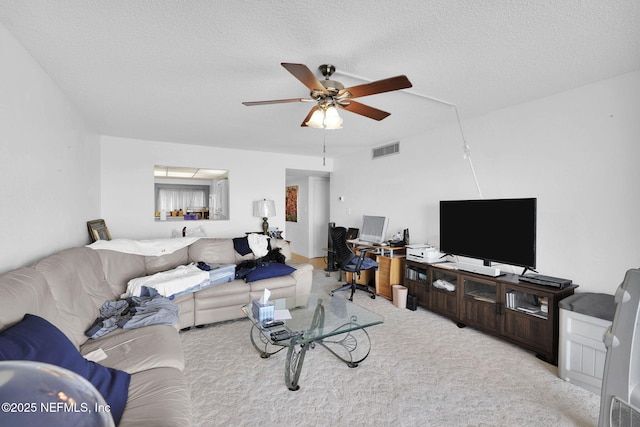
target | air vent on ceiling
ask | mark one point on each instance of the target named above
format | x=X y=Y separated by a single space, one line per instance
x=386 y=150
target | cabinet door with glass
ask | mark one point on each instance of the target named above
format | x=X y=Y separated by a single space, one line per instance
x=480 y=304
x=443 y=293
x=416 y=280
x=527 y=316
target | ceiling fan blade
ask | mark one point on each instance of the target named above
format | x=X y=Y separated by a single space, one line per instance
x=276 y=101
x=380 y=86
x=304 y=74
x=306 y=119
x=364 y=110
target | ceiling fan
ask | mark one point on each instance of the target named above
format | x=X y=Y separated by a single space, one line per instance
x=329 y=94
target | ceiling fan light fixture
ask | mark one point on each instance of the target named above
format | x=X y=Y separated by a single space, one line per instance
x=332 y=119
x=330 y=93
x=316 y=120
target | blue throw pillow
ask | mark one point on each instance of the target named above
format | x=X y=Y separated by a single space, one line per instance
x=35 y=339
x=241 y=245
x=268 y=270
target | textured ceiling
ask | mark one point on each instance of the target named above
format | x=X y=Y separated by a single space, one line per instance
x=178 y=70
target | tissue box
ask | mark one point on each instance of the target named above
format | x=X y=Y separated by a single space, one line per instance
x=262 y=312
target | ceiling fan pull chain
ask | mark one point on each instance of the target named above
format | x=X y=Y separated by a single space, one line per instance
x=324 y=146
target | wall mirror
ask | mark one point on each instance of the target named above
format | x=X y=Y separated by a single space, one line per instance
x=197 y=194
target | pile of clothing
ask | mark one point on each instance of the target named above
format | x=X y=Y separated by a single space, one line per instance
x=150 y=308
x=271 y=256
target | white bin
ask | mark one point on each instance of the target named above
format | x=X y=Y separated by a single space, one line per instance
x=584 y=318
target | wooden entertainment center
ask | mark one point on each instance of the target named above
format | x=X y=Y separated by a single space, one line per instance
x=522 y=313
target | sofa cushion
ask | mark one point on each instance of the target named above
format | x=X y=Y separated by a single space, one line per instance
x=120 y=267
x=273 y=283
x=212 y=251
x=280 y=287
x=158 y=397
x=25 y=291
x=79 y=289
x=155 y=264
x=234 y=287
x=35 y=339
x=135 y=350
x=267 y=271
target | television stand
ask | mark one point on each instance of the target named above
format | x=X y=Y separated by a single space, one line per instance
x=522 y=313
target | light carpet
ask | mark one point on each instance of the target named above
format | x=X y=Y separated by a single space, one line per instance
x=422 y=370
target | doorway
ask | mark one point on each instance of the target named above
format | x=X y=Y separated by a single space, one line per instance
x=308 y=232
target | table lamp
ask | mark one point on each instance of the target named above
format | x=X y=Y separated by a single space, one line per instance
x=264 y=209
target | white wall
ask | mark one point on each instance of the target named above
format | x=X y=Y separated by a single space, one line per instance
x=577 y=152
x=49 y=163
x=127 y=185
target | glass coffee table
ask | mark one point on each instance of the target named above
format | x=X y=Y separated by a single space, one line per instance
x=334 y=323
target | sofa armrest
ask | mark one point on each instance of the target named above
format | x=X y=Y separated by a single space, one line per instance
x=303 y=276
x=301 y=268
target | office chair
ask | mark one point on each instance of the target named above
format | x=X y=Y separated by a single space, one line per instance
x=349 y=262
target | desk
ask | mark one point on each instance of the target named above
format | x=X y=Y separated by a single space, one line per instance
x=390 y=270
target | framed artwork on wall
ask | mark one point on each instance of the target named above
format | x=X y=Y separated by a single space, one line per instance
x=98 y=230
x=291 y=203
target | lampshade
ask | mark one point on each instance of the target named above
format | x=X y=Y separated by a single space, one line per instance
x=325 y=118
x=264 y=208
x=316 y=120
x=332 y=119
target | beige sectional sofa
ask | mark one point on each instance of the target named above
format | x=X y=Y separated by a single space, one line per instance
x=67 y=290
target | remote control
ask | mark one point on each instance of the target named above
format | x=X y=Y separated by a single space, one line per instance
x=280 y=337
x=271 y=323
x=284 y=336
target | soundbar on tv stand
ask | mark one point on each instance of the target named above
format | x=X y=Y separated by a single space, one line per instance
x=479 y=269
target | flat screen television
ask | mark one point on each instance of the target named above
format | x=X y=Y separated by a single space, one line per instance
x=374 y=229
x=496 y=230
